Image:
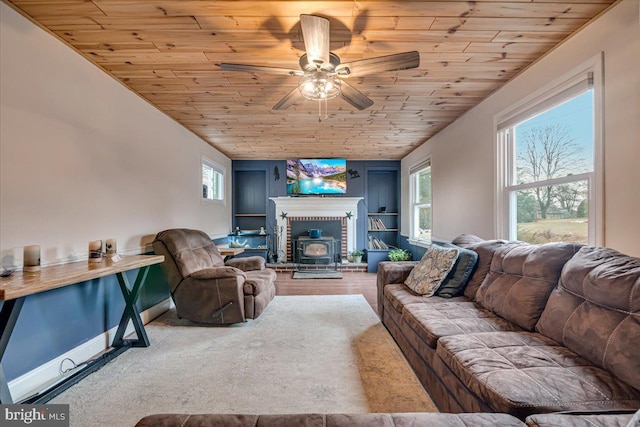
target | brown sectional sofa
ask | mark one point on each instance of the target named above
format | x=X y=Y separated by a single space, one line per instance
x=540 y=328
x=389 y=420
x=330 y=420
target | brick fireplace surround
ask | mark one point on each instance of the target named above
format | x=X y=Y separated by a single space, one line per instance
x=289 y=209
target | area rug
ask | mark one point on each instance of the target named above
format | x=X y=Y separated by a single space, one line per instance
x=316 y=274
x=322 y=354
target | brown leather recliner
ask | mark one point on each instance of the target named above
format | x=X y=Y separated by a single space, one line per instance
x=204 y=288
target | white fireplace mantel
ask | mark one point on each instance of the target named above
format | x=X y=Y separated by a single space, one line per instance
x=317 y=206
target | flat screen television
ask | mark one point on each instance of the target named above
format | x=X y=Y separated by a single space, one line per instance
x=316 y=176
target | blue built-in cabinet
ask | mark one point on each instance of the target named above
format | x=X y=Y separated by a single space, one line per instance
x=383 y=211
x=377 y=182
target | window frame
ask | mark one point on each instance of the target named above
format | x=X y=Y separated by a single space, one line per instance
x=414 y=172
x=542 y=100
x=217 y=169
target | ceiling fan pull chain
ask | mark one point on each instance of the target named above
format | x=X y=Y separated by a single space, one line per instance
x=326 y=110
x=319 y=110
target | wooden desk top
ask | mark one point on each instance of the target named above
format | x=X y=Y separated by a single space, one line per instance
x=230 y=251
x=23 y=283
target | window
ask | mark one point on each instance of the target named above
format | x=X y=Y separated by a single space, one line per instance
x=421 y=201
x=549 y=156
x=212 y=181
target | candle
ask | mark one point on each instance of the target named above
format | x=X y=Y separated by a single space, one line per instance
x=31 y=257
x=95 y=251
x=111 y=248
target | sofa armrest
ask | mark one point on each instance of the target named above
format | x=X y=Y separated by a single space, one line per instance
x=212 y=295
x=218 y=273
x=391 y=272
x=247 y=263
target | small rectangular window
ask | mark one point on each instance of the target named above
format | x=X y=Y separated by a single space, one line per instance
x=212 y=181
x=421 y=201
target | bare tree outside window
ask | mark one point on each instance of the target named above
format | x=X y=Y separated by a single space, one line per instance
x=549 y=152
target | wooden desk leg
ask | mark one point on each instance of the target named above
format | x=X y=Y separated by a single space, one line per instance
x=131 y=312
x=8 y=317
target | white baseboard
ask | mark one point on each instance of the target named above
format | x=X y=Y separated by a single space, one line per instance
x=48 y=374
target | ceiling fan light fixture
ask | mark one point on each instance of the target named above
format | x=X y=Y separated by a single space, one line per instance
x=319 y=86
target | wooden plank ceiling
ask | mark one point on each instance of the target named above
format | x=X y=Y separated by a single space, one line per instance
x=169 y=51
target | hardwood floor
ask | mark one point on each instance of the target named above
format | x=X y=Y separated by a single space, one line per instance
x=351 y=283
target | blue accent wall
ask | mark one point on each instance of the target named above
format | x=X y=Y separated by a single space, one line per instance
x=54 y=322
x=356 y=187
x=417 y=252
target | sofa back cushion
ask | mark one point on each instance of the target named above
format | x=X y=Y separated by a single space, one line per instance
x=466 y=240
x=595 y=311
x=521 y=279
x=191 y=250
x=485 y=251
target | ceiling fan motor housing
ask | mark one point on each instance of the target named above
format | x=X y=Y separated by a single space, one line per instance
x=306 y=65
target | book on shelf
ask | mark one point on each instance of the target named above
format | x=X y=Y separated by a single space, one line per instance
x=375 y=243
x=376 y=224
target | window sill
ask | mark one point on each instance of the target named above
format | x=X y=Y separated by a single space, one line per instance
x=206 y=202
x=421 y=243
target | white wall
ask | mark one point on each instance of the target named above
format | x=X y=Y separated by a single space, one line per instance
x=463 y=154
x=82 y=158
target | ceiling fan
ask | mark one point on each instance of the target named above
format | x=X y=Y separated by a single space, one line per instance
x=322 y=76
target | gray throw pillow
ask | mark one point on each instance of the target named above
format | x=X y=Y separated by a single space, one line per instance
x=458 y=278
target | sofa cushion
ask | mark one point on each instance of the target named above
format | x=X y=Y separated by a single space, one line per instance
x=399 y=296
x=458 y=278
x=525 y=372
x=247 y=263
x=485 y=251
x=521 y=279
x=595 y=311
x=427 y=276
x=433 y=321
x=258 y=281
x=465 y=240
x=582 y=419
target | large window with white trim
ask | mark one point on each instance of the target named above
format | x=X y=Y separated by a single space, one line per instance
x=212 y=181
x=549 y=157
x=420 y=176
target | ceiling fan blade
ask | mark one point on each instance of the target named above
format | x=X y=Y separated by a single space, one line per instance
x=288 y=100
x=260 y=69
x=354 y=97
x=363 y=67
x=315 y=31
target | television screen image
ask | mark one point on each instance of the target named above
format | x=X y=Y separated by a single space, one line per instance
x=317 y=176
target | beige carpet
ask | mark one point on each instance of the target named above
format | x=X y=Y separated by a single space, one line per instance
x=304 y=354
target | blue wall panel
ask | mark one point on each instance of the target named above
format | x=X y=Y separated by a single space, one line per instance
x=54 y=322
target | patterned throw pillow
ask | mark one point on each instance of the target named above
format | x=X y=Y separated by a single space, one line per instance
x=427 y=276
